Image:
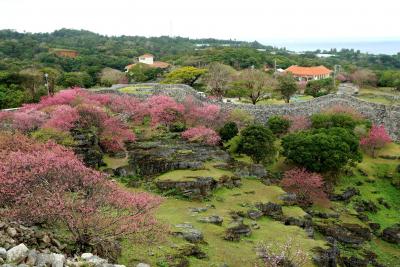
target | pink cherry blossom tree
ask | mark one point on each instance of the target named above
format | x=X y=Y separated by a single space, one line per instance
x=201 y=134
x=375 y=140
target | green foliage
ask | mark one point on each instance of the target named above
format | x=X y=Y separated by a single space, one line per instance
x=287 y=86
x=228 y=131
x=233 y=145
x=71 y=79
x=389 y=78
x=141 y=72
x=322 y=150
x=60 y=137
x=318 y=88
x=177 y=127
x=12 y=97
x=279 y=125
x=324 y=120
x=241 y=117
x=257 y=141
x=186 y=75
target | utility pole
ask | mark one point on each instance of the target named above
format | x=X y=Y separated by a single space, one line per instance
x=335 y=72
x=46 y=76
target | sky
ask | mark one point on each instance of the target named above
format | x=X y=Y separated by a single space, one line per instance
x=262 y=20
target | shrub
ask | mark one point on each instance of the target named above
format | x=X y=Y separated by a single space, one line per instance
x=233 y=145
x=178 y=127
x=241 y=117
x=201 y=134
x=60 y=137
x=344 y=110
x=287 y=254
x=46 y=183
x=186 y=75
x=257 y=141
x=308 y=186
x=279 y=125
x=318 y=88
x=375 y=140
x=322 y=150
x=228 y=131
x=323 y=120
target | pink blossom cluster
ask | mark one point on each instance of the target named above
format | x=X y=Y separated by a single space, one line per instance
x=48 y=183
x=307 y=185
x=298 y=123
x=201 y=134
x=376 y=139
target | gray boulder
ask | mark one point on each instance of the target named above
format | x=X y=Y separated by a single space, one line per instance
x=214 y=219
x=392 y=234
x=3 y=253
x=17 y=254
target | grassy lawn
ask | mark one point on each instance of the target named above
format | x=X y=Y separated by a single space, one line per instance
x=174 y=211
x=381 y=95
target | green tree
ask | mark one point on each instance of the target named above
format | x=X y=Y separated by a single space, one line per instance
x=71 y=79
x=257 y=141
x=256 y=83
x=323 y=120
x=322 y=150
x=228 y=131
x=287 y=86
x=318 y=88
x=278 y=125
x=186 y=75
x=141 y=72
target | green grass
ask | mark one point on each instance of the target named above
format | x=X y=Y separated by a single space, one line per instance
x=381 y=95
x=115 y=162
x=135 y=89
x=174 y=211
x=208 y=171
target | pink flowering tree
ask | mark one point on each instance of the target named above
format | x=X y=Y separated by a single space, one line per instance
x=114 y=134
x=62 y=118
x=197 y=113
x=307 y=185
x=375 y=140
x=298 y=123
x=25 y=120
x=46 y=183
x=201 y=134
x=164 y=110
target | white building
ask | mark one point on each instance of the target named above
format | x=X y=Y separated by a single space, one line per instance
x=146 y=59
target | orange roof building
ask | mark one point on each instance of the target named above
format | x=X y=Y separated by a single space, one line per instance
x=148 y=59
x=309 y=73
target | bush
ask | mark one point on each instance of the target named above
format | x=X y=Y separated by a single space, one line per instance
x=279 y=125
x=323 y=120
x=177 y=127
x=322 y=150
x=228 y=131
x=241 y=117
x=308 y=186
x=202 y=134
x=257 y=141
x=233 y=145
x=60 y=137
x=46 y=183
x=318 y=88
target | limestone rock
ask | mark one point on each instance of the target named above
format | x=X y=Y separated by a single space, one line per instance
x=214 y=219
x=234 y=233
x=17 y=254
x=271 y=209
x=392 y=234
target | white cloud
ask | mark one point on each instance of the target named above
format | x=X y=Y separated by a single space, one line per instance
x=304 y=20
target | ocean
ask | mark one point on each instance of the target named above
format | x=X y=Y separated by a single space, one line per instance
x=371 y=47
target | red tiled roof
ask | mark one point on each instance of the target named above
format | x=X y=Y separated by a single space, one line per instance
x=156 y=64
x=146 y=55
x=308 y=71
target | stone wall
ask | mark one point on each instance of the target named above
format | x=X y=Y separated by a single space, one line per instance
x=377 y=113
